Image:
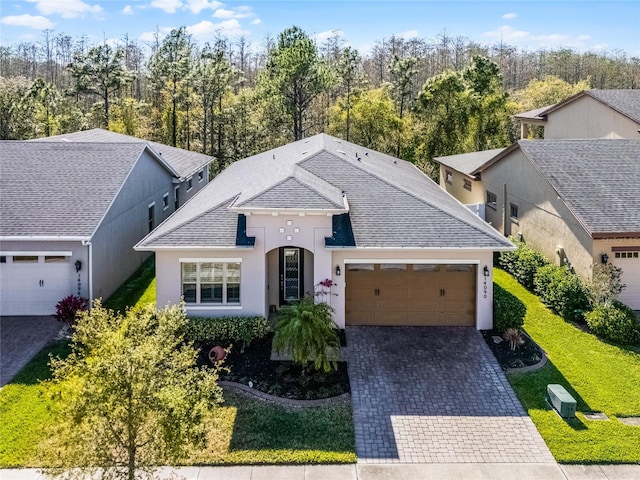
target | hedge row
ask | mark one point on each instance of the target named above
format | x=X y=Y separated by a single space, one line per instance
x=226 y=329
x=560 y=289
x=508 y=310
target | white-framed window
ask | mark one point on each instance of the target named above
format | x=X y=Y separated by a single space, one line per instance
x=448 y=177
x=211 y=282
x=176 y=197
x=151 y=216
x=165 y=201
x=189 y=183
x=200 y=176
x=492 y=200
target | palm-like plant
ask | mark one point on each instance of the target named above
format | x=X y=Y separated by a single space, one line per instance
x=306 y=331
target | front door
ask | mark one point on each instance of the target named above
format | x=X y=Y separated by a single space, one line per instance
x=291 y=287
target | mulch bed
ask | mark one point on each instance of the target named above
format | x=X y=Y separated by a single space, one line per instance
x=281 y=378
x=523 y=356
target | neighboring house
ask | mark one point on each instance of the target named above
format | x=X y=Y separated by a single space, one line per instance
x=71 y=212
x=588 y=114
x=270 y=228
x=575 y=200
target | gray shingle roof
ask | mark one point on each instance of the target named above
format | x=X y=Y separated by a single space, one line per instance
x=535 y=114
x=469 y=163
x=184 y=162
x=626 y=102
x=391 y=203
x=60 y=189
x=598 y=179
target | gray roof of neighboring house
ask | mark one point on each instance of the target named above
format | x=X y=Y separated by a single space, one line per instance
x=626 y=102
x=184 y=162
x=391 y=203
x=535 y=114
x=469 y=163
x=598 y=179
x=59 y=188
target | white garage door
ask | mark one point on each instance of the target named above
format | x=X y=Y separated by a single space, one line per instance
x=34 y=284
x=629 y=262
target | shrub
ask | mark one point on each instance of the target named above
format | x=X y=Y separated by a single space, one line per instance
x=508 y=310
x=305 y=329
x=605 y=284
x=562 y=291
x=615 y=322
x=226 y=329
x=68 y=308
x=522 y=263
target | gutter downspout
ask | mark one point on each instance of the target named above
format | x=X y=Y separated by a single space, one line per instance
x=87 y=243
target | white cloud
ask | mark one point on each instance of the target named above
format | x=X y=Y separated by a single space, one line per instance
x=206 y=30
x=523 y=38
x=509 y=16
x=196 y=6
x=240 y=12
x=151 y=36
x=127 y=10
x=169 y=6
x=34 y=21
x=324 y=36
x=256 y=21
x=409 y=34
x=66 y=8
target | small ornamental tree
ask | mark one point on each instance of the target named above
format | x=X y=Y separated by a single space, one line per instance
x=68 y=308
x=129 y=396
x=605 y=285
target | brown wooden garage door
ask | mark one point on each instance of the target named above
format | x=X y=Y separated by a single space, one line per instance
x=401 y=294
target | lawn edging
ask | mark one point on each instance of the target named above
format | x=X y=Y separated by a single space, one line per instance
x=246 y=390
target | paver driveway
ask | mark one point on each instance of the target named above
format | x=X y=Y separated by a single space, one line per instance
x=20 y=339
x=435 y=395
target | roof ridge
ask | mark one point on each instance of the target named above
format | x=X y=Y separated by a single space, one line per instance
x=412 y=194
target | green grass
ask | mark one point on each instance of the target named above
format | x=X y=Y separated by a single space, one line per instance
x=602 y=378
x=241 y=431
x=138 y=290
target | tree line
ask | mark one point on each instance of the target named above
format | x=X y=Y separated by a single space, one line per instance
x=412 y=98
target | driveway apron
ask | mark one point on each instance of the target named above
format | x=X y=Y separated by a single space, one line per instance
x=435 y=395
x=20 y=339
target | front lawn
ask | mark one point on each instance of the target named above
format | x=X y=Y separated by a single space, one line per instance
x=242 y=431
x=601 y=377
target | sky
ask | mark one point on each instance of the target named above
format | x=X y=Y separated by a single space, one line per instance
x=596 y=25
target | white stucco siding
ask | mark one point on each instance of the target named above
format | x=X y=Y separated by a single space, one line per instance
x=589 y=118
x=258 y=284
x=481 y=258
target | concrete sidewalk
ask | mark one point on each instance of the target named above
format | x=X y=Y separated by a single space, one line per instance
x=441 y=471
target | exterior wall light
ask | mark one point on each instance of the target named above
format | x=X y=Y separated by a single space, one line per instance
x=486 y=271
x=338 y=271
x=605 y=258
x=78 y=265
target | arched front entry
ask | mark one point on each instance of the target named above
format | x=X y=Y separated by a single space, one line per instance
x=289 y=275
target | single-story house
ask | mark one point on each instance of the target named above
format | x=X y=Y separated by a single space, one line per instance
x=575 y=200
x=588 y=114
x=71 y=212
x=273 y=227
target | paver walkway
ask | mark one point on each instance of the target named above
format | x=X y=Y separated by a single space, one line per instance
x=20 y=339
x=435 y=395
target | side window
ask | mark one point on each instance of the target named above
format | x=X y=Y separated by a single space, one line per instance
x=151 y=216
x=492 y=200
x=176 y=198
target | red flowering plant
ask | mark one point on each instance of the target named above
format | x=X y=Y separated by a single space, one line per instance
x=323 y=290
x=67 y=309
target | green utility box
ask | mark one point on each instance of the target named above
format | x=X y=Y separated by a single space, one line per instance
x=561 y=400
